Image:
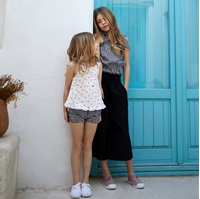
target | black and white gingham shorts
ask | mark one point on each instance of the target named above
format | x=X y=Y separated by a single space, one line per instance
x=78 y=116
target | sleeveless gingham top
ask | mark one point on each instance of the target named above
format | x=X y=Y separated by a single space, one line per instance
x=112 y=63
x=85 y=93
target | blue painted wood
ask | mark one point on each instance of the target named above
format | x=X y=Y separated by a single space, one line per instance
x=154 y=170
x=192 y=123
x=188 y=78
x=172 y=62
x=148 y=123
x=179 y=93
x=192 y=79
x=191 y=39
x=100 y=3
x=149 y=94
x=158 y=124
x=167 y=124
x=192 y=93
x=193 y=155
x=137 y=131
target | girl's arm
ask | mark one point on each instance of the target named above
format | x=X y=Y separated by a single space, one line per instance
x=68 y=80
x=100 y=78
x=126 y=69
x=98 y=41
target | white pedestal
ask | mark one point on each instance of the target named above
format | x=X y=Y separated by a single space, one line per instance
x=9 y=155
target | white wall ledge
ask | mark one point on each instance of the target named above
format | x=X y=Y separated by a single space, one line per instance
x=9 y=155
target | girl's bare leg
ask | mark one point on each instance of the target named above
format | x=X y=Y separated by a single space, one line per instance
x=129 y=166
x=77 y=130
x=89 y=132
x=106 y=171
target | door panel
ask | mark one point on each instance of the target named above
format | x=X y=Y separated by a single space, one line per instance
x=192 y=79
x=146 y=24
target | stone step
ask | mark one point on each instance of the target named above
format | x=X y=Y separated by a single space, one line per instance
x=9 y=156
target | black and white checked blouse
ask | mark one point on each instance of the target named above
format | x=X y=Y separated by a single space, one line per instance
x=112 y=63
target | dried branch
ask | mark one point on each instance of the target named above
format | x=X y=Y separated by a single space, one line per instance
x=10 y=89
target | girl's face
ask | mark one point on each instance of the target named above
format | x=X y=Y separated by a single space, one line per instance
x=102 y=22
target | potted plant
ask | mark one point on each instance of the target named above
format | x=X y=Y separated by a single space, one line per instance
x=10 y=89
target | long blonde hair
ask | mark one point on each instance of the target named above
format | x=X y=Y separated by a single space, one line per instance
x=80 y=50
x=114 y=34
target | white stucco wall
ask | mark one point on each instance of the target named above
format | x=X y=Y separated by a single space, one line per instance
x=2 y=14
x=36 y=37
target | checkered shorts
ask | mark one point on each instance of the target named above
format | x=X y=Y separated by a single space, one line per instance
x=78 y=116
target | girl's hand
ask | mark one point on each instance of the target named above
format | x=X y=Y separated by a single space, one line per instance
x=66 y=118
x=102 y=93
x=126 y=88
x=99 y=120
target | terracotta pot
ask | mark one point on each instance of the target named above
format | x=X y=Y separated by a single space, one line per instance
x=4 y=120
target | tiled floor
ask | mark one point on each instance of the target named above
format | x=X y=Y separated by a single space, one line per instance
x=186 y=187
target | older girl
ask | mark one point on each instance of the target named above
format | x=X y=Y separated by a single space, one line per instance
x=112 y=139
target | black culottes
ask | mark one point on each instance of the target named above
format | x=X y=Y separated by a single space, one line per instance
x=112 y=140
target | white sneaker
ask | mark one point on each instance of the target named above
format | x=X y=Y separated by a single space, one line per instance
x=76 y=191
x=86 y=190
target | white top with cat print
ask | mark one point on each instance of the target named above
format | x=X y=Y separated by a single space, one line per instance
x=85 y=93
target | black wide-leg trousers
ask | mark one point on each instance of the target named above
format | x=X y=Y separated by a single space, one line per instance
x=112 y=140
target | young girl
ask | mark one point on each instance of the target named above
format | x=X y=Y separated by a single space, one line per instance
x=112 y=139
x=82 y=106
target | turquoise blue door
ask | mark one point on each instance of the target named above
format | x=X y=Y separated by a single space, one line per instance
x=163 y=89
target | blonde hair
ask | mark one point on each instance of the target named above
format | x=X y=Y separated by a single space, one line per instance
x=80 y=50
x=114 y=34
